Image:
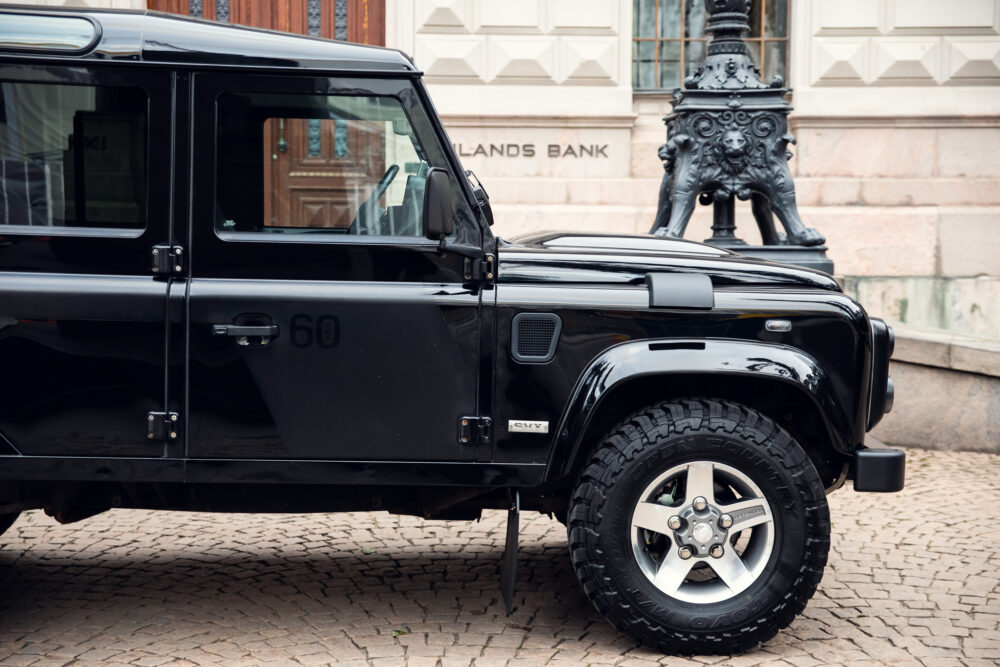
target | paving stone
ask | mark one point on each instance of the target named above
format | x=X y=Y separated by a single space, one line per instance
x=906 y=584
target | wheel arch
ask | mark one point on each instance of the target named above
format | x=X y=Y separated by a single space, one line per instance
x=784 y=383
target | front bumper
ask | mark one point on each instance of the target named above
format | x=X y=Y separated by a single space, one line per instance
x=879 y=470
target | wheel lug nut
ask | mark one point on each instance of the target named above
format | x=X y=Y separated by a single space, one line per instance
x=717 y=551
x=685 y=552
x=674 y=522
x=700 y=503
x=725 y=520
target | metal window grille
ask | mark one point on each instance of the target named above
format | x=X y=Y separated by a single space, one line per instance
x=669 y=42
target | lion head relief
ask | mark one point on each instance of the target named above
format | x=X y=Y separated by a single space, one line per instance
x=734 y=151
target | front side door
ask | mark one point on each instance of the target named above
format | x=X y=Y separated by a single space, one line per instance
x=84 y=197
x=322 y=323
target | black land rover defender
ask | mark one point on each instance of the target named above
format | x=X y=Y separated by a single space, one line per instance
x=243 y=271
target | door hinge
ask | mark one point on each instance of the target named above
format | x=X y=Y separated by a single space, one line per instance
x=480 y=268
x=162 y=425
x=474 y=430
x=167 y=259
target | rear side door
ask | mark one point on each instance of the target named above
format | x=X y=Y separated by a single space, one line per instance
x=322 y=323
x=84 y=198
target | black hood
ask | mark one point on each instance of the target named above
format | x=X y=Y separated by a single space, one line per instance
x=567 y=257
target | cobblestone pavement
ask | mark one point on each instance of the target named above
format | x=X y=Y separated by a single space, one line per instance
x=913 y=578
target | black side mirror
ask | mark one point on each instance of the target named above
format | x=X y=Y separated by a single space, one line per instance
x=438 y=209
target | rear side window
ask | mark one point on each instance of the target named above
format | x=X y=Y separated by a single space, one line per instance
x=72 y=156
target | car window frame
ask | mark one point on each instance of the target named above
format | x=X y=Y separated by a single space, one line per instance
x=401 y=88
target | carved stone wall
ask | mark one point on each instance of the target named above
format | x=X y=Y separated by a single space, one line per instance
x=897 y=57
x=896 y=113
x=526 y=88
x=489 y=49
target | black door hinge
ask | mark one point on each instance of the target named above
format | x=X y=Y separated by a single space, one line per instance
x=167 y=259
x=162 y=425
x=480 y=268
x=474 y=430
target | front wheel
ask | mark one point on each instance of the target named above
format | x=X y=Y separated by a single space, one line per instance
x=699 y=526
x=7 y=520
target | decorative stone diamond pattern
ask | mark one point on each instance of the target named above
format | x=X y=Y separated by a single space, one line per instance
x=588 y=59
x=904 y=42
x=973 y=58
x=522 y=59
x=456 y=58
x=536 y=42
x=913 y=59
x=839 y=60
x=443 y=15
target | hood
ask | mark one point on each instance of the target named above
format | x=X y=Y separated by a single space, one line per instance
x=567 y=257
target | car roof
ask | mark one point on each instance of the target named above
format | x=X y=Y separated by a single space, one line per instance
x=155 y=37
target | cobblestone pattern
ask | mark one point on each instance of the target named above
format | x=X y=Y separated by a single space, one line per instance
x=913 y=579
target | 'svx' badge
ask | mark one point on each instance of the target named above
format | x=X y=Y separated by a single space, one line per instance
x=525 y=426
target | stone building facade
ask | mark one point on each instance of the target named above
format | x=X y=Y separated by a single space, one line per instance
x=897 y=114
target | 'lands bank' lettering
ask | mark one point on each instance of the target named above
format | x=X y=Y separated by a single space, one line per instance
x=528 y=150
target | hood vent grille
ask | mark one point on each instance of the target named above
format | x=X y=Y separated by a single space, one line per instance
x=534 y=337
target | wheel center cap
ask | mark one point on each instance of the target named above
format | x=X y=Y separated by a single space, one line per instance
x=703 y=533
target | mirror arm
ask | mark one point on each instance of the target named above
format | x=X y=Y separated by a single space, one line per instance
x=470 y=251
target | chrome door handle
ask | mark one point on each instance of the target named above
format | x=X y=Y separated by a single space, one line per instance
x=246 y=335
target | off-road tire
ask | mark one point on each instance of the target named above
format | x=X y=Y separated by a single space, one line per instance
x=7 y=520
x=650 y=442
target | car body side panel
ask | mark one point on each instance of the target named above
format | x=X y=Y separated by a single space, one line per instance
x=377 y=371
x=82 y=316
x=827 y=327
x=766 y=362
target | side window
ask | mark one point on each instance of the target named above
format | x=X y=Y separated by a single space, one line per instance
x=72 y=156
x=334 y=164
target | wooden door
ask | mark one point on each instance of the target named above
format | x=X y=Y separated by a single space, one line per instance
x=318 y=166
x=321 y=170
x=358 y=21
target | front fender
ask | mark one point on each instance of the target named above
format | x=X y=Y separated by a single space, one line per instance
x=765 y=361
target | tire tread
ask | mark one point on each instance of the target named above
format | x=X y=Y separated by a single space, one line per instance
x=622 y=446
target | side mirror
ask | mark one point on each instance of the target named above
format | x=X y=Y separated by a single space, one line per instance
x=401 y=126
x=438 y=210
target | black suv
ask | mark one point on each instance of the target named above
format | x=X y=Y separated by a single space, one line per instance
x=243 y=271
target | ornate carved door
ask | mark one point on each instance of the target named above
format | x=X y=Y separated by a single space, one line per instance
x=359 y=21
x=321 y=169
x=316 y=164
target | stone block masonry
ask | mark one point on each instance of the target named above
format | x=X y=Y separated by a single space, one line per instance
x=906 y=583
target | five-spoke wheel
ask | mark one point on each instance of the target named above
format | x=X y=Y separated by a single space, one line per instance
x=702 y=532
x=699 y=525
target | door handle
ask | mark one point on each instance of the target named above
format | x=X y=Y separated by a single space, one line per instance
x=245 y=334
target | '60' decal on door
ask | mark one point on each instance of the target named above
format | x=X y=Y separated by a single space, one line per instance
x=324 y=331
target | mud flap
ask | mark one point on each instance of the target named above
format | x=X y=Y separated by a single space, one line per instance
x=508 y=567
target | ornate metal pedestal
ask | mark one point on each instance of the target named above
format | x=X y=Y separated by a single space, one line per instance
x=728 y=137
